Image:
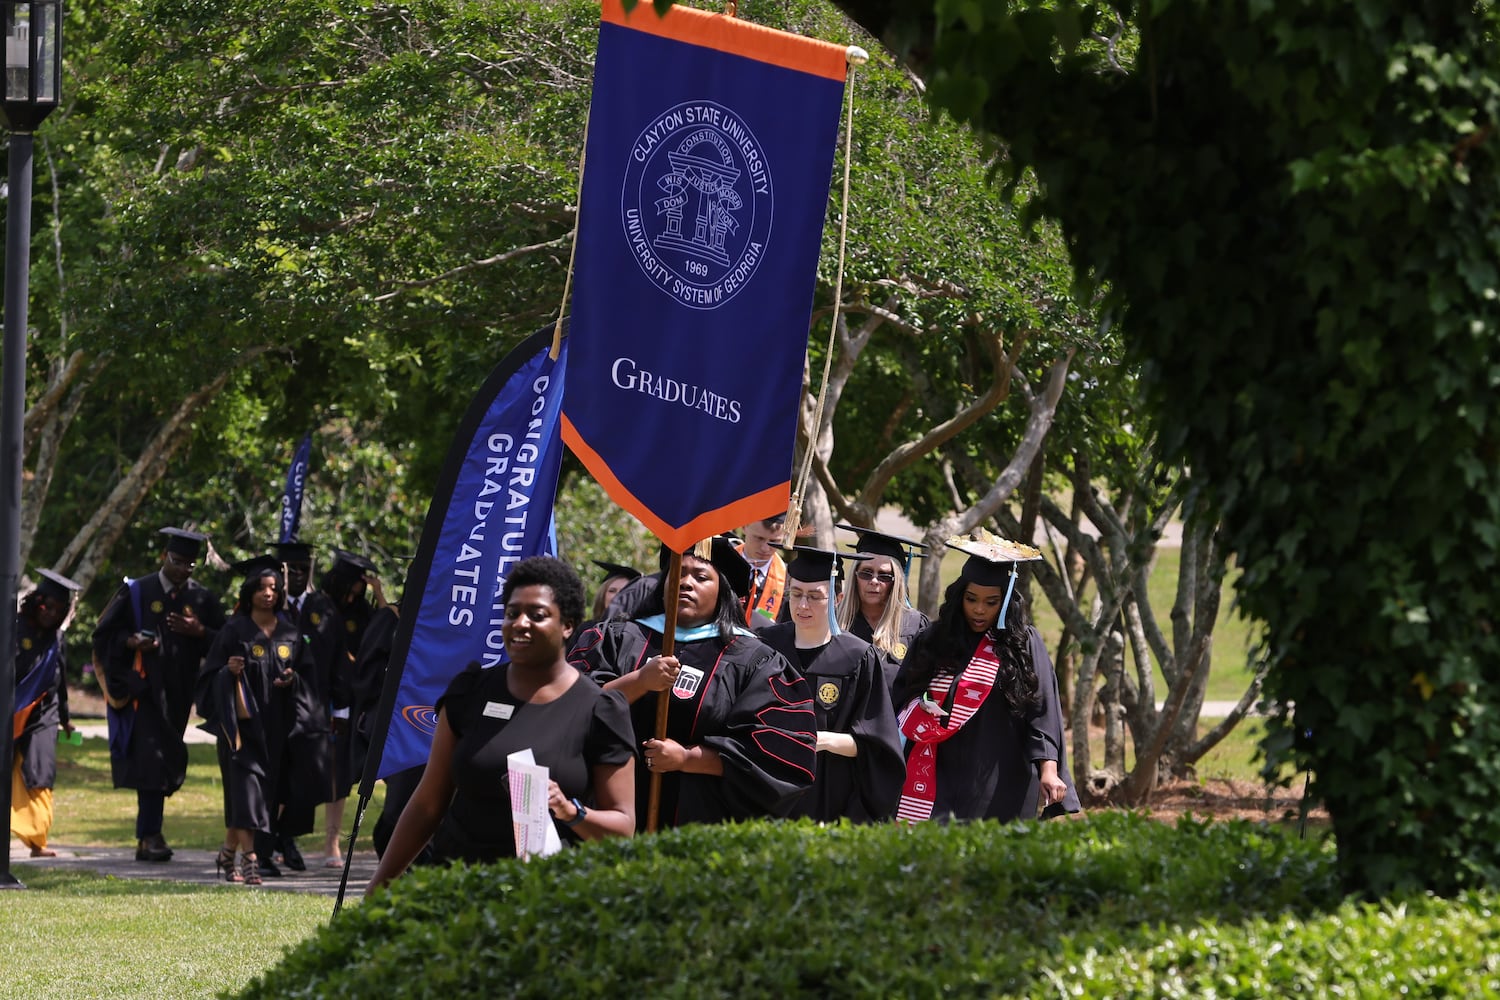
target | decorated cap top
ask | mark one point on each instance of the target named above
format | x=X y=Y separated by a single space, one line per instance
x=991 y=556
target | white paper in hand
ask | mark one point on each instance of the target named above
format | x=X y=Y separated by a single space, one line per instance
x=535 y=834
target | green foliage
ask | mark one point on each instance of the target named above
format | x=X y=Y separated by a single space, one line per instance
x=590 y=526
x=794 y=909
x=1294 y=207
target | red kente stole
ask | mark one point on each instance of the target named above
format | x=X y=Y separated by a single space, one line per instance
x=925 y=730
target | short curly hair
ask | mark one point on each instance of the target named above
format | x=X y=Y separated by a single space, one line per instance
x=548 y=571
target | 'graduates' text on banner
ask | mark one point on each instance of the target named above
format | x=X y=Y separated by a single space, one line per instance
x=710 y=149
x=492 y=508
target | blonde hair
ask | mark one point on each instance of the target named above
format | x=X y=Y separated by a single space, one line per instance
x=886 y=634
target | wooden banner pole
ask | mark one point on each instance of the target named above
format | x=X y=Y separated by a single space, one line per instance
x=670 y=587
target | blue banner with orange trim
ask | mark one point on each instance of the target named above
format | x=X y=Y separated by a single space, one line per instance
x=709 y=155
x=492 y=508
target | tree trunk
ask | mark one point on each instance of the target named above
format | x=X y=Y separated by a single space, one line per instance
x=1043 y=408
x=47 y=424
x=92 y=543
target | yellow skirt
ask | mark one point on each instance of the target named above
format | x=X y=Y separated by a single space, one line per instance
x=30 y=811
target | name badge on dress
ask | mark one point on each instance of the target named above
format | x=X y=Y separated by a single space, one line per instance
x=498 y=710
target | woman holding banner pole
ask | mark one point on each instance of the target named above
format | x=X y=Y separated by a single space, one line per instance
x=740 y=732
x=538 y=701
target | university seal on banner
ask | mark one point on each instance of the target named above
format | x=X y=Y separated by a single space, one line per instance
x=697 y=203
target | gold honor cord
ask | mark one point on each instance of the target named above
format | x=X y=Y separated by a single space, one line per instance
x=856 y=57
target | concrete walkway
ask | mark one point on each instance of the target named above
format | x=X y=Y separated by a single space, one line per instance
x=99 y=730
x=191 y=866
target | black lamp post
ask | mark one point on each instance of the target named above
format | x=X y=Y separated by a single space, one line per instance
x=33 y=82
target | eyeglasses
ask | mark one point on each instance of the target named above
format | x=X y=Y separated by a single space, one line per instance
x=870 y=576
x=811 y=597
x=177 y=560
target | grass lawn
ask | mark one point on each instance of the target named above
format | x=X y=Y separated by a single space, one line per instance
x=71 y=934
x=1231 y=669
x=90 y=812
x=1229 y=673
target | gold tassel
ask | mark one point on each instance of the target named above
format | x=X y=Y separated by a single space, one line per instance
x=793 y=521
x=704 y=549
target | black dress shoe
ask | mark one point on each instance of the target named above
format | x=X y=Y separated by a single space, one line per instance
x=291 y=855
x=159 y=843
x=144 y=851
x=267 y=868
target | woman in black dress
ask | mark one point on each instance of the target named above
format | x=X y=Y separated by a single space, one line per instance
x=976 y=700
x=244 y=693
x=741 y=735
x=537 y=701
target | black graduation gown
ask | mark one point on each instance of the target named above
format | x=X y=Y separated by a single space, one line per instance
x=849 y=696
x=155 y=756
x=36 y=746
x=367 y=681
x=308 y=771
x=743 y=700
x=251 y=750
x=630 y=599
x=912 y=622
x=988 y=769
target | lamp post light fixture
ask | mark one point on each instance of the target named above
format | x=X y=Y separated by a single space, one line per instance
x=33 y=82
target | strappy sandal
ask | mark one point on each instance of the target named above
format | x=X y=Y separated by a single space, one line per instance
x=249 y=869
x=225 y=863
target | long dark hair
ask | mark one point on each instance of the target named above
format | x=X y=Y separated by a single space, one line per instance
x=947 y=645
x=251 y=584
x=729 y=613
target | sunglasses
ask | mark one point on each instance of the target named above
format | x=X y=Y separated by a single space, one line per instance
x=870 y=576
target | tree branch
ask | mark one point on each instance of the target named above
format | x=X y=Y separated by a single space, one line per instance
x=500 y=258
x=84 y=554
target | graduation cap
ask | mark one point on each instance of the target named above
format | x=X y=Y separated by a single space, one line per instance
x=351 y=564
x=257 y=566
x=992 y=562
x=733 y=568
x=612 y=570
x=814 y=565
x=294 y=552
x=878 y=543
x=55 y=586
x=184 y=543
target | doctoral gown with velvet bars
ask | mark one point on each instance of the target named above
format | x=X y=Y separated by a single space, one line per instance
x=741 y=699
x=849 y=696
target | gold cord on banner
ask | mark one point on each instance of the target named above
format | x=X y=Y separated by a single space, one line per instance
x=562 y=309
x=856 y=57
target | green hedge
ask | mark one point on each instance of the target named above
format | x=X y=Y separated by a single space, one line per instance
x=1113 y=906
